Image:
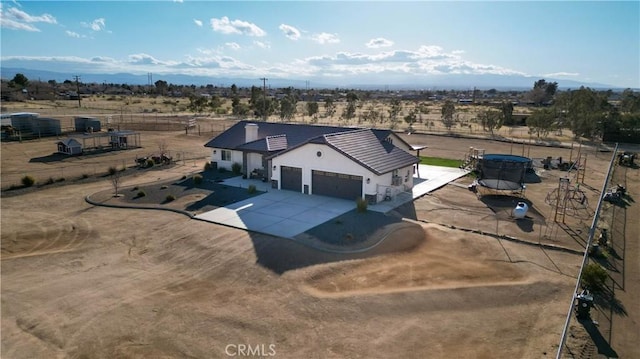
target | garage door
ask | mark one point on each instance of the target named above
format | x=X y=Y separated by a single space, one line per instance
x=336 y=185
x=291 y=178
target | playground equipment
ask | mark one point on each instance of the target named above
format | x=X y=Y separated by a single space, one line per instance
x=502 y=172
x=567 y=200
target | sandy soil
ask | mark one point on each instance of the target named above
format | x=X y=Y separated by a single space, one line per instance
x=84 y=281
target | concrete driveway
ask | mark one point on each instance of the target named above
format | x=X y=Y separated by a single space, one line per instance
x=287 y=213
x=279 y=213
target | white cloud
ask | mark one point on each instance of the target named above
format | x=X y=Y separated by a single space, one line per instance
x=144 y=59
x=379 y=42
x=289 y=31
x=400 y=65
x=16 y=19
x=73 y=34
x=325 y=38
x=262 y=45
x=562 y=74
x=198 y=22
x=23 y=16
x=225 y=26
x=95 y=25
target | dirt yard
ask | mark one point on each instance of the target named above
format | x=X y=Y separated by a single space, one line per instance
x=83 y=281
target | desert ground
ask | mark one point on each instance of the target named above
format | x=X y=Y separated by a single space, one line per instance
x=461 y=279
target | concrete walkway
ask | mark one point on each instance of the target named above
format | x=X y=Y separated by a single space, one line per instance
x=287 y=213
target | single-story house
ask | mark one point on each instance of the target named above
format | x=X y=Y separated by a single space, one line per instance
x=69 y=146
x=332 y=161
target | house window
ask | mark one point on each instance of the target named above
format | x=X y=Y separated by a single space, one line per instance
x=225 y=155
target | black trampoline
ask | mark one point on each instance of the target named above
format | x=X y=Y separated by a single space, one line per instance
x=503 y=172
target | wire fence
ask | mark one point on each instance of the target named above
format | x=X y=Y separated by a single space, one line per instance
x=562 y=348
x=86 y=169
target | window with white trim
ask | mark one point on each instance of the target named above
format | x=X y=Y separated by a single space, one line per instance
x=225 y=155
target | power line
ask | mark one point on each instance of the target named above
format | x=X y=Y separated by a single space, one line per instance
x=264 y=98
x=78 y=90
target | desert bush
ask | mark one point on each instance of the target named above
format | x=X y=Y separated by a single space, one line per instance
x=112 y=170
x=150 y=163
x=164 y=186
x=207 y=166
x=197 y=179
x=170 y=198
x=84 y=175
x=49 y=181
x=361 y=204
x=28 y=181
x=594 y=277
x=183 y=177
x=236 y=168
x=251 y=189
x=141 y=194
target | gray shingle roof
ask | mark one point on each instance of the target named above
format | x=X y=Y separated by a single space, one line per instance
x=367 y=147
x=364 y=147
x=234 y=137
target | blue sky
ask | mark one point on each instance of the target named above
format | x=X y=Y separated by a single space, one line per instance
x=336 y=41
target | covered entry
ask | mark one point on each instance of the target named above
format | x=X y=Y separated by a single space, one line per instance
x=338 y=185
x=291 y=178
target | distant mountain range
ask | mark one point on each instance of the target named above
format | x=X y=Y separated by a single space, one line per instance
x=437 y=82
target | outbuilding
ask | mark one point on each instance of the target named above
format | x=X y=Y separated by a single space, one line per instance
x=69 y=146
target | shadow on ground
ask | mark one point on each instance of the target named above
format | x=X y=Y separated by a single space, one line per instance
x=372 y=234
x=601 y=343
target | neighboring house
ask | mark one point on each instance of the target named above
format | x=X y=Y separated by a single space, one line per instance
x=69 y=146
x=340 y=162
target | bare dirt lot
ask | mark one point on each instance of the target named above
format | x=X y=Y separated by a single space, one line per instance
x=84 y=281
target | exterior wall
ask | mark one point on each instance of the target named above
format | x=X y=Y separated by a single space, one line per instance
x=306 y=158
x=254 y=161
x=216 y=156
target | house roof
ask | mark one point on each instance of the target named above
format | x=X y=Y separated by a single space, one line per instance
x=368 y=147
x=364 y=147
x=70 y=142
x=234 y=137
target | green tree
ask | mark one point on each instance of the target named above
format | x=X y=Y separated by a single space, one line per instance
x=395 y=109
x=197 y=103
x=491 y=119
x=587 y=111
x=350 y=111
x=19 y=80
x=161 y=87
x=448 y=111
x=630 y=101
x=507 y=112
x=329 y=107
x=411 y=118
x=312 y=109
x=288 y=107
x=594 y=277
x=541 y=122
x=543 y=91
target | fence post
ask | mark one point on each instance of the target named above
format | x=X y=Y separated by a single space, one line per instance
x=585 y=257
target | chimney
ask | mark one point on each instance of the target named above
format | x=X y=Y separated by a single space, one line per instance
x=250 y=132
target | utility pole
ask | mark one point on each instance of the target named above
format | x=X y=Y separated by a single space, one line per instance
x=78 y=90
x=264 y=98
